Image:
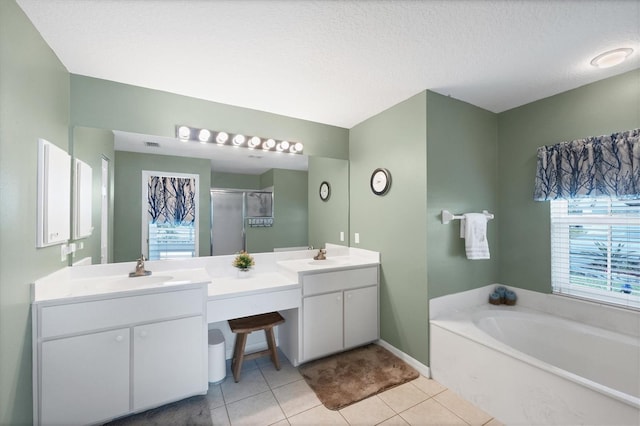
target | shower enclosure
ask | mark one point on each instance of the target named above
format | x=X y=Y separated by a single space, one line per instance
x=231 y=212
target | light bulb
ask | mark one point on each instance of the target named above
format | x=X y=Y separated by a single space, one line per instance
x=284 y=145
x=254 y=142
x=269 y=144
x=183 y=133
x=222 y=138
x=238 y=140
x=204 y=135
x=299 y=147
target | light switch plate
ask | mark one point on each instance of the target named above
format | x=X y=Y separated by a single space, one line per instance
x=356 y=237
x=341 y=235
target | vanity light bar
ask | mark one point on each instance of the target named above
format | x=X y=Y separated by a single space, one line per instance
x=205 y=136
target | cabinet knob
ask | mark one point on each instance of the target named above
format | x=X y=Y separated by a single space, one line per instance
x=143 y=333
x=119 y=338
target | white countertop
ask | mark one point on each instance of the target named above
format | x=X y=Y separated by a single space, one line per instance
x=110 y=285
x=226 y=287
x=273 y=272
x=334 y=263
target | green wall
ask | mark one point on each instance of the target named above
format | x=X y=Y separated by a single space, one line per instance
x=234 y=181
x=128 y=199
x=596 y=109
x=34 y=103
x=328 y=218
x=290 y=213
x=110 y=105
x=91 y=145
x=395 y=224
x=462 y=176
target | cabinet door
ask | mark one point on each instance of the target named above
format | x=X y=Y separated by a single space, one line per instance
x=322 y=325
x=168 y=361
x=84 y=379
x=360 y=316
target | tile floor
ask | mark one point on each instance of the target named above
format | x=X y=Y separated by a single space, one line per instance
x=265 y=396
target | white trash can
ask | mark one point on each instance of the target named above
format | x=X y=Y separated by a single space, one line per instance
x=217 y=364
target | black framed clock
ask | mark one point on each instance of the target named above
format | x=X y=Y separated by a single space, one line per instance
x=325 y=191
x=380 y=181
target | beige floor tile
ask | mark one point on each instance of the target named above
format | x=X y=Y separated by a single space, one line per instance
x=284 y=422
x=461 y=407
x=319 y=415
x=403 y=397
x=214 y=397
x=219 y=416
x=261 y=409
x=428 y=386
x=276 y=378
x=251 y=383
x=394 y=421
x=296 y=397
x=430 y=412
x=369 y=411
x=493 y=422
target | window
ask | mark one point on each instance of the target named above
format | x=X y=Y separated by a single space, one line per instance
x=169 y=217
x=595 y=249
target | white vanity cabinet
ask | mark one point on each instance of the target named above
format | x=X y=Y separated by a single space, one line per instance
x=339 y=311
x=96 y=359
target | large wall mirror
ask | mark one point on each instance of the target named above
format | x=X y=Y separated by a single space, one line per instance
x=119 y=160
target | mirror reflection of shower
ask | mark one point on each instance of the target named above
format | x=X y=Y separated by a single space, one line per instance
x=231 y=212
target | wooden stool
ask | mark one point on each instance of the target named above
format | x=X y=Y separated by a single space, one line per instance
x=243 y=327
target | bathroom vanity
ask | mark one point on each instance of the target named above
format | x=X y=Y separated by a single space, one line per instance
x=105 y=351
x=106 y=345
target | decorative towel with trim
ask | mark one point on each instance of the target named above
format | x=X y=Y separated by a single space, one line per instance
x=473 y=228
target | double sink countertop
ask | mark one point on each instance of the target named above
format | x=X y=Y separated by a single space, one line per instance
x=274 y=272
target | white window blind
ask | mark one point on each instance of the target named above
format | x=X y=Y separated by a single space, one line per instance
x=167 y=241
x=595 y=249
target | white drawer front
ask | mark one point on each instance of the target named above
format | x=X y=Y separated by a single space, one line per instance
x=327 y=282
x=124 y=311
x=238 y=307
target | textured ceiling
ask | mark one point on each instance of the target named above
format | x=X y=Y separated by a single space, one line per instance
x=340 y=62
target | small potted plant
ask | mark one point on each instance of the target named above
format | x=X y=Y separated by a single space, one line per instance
x=243 y=261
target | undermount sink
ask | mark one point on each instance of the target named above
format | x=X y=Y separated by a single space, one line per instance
x=133 y=282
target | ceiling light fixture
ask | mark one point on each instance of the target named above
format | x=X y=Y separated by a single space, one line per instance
x=204 y=136
x=611 y=58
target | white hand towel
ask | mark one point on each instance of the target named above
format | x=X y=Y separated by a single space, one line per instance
x=474 y=227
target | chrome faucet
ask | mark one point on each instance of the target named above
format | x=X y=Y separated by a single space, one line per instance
x=322 y=255
x=140 y=271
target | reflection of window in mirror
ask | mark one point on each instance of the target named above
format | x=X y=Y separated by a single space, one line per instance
x=170 y=225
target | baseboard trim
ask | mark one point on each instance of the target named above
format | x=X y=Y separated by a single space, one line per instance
x=422 y=369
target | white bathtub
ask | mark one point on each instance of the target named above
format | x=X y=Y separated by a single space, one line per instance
x=527 y=366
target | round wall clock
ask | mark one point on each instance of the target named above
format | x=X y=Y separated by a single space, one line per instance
x=325 y=191
x=380 y=181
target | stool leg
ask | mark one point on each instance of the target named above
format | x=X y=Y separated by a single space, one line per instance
x=273 y=350
x=238 y=355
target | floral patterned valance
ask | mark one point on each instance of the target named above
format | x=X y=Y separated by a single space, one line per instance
x=603 y=166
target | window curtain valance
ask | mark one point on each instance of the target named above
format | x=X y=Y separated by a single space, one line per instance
x=602 y=166
x=171 y=200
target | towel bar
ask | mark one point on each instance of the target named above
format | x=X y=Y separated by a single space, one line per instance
x=447 y=216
